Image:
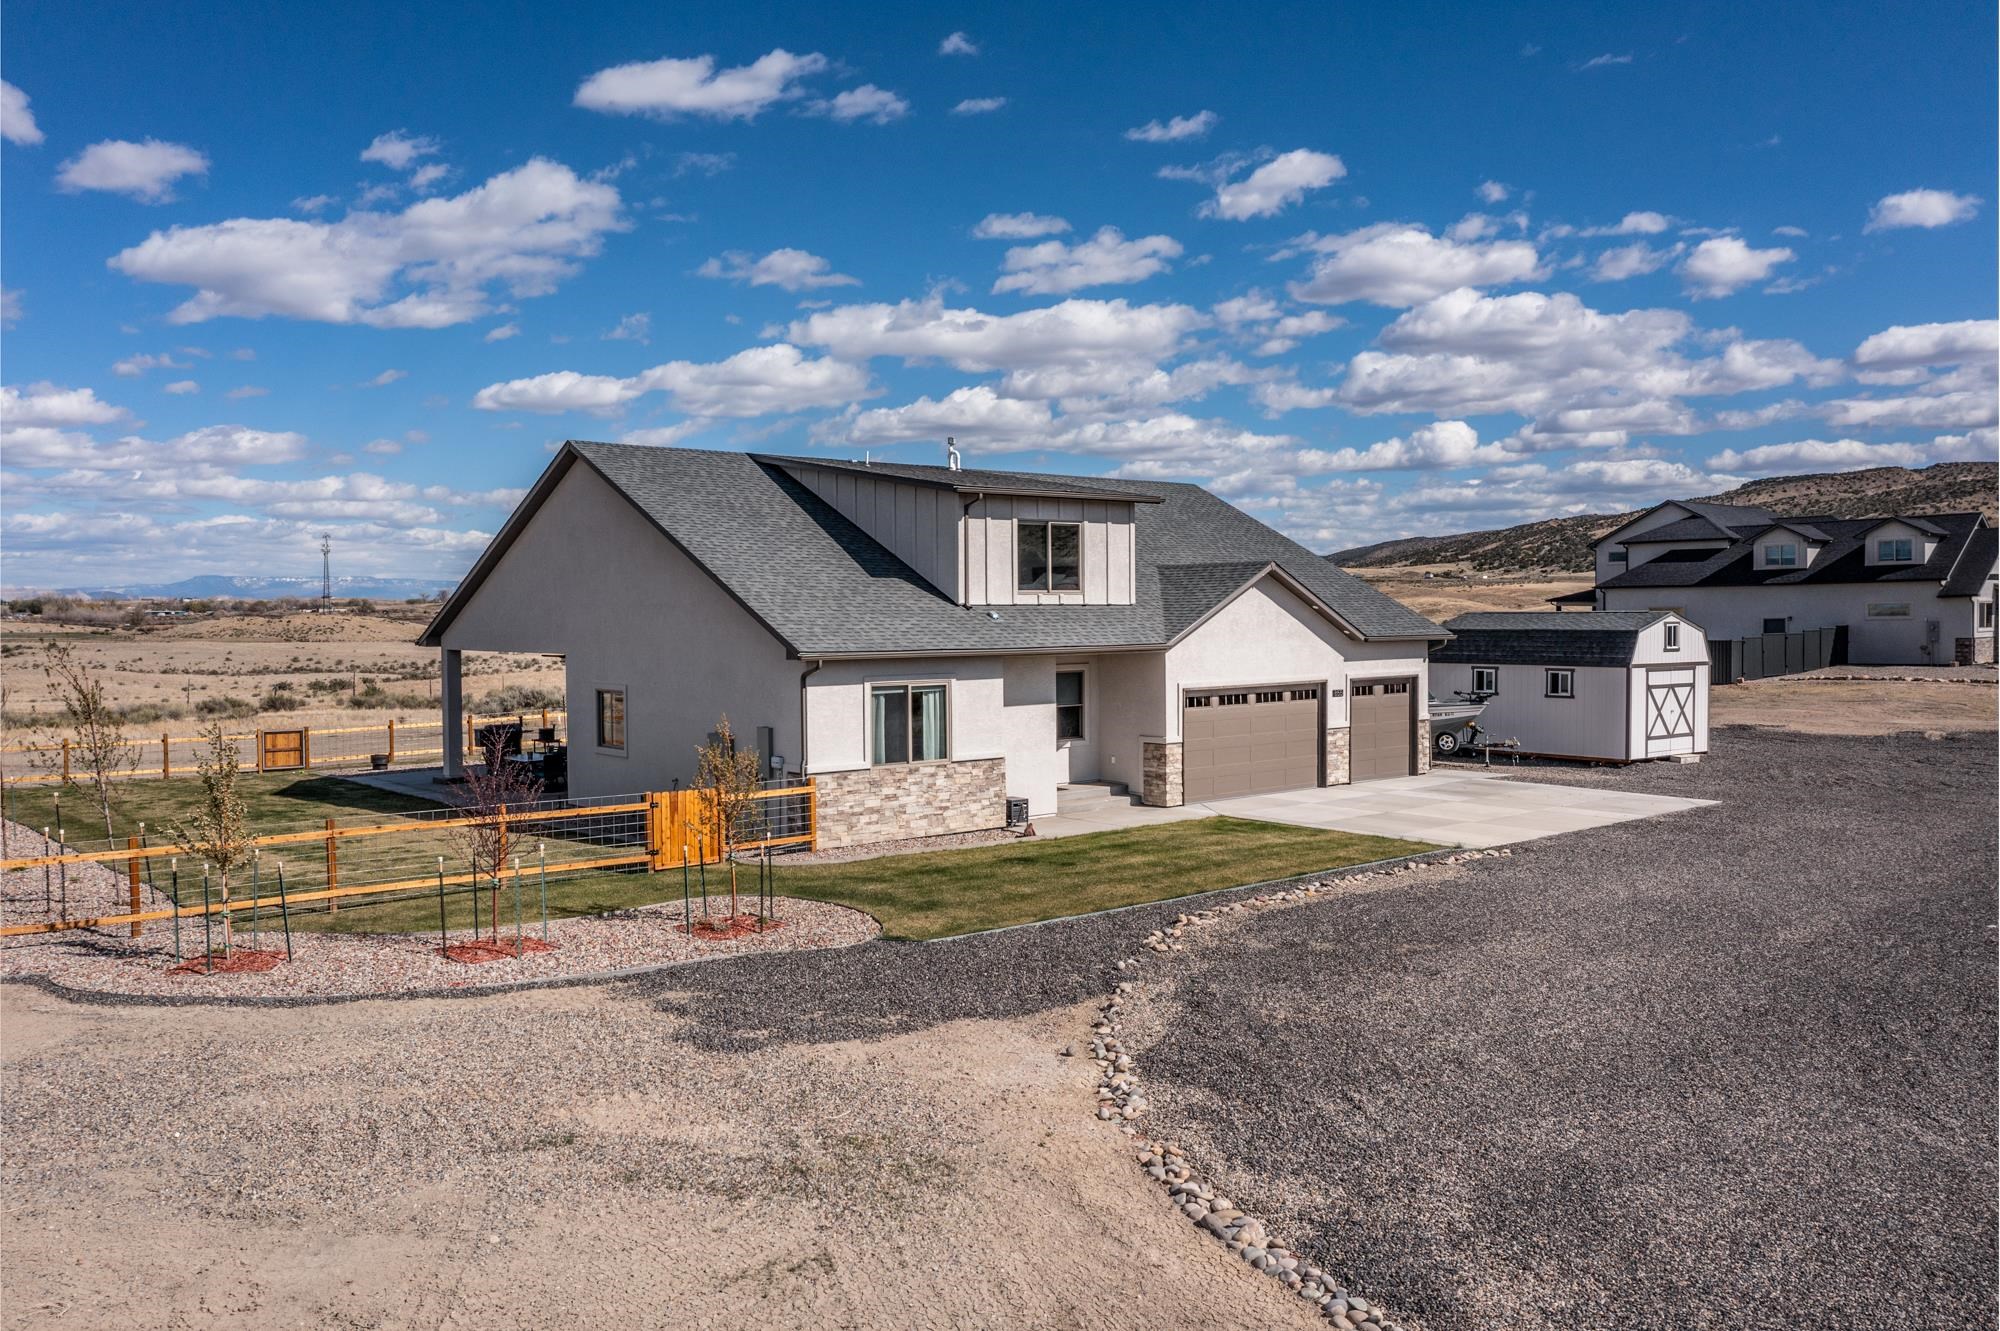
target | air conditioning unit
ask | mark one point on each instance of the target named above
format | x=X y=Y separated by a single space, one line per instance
x=1017 y=811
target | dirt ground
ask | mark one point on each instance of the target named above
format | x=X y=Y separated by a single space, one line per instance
x=1442 y=597
x=1855 y=707
x=563 y=1158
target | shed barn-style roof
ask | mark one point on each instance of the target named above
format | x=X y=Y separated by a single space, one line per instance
x=1546 y=637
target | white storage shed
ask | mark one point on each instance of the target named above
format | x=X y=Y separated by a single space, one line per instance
x=1607 y=686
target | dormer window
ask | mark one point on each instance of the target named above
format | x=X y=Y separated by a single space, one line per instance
x=1898 y=551
x=1620 y=556
x=1784 y=554
x=1049 y=556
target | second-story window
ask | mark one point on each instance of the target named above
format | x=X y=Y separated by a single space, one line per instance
x=1050 y=556
x=1781 y=556
x=1894 y=552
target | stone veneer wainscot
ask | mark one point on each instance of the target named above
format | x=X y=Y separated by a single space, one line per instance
x=1161 y=786
x=900 y=800
x=1339 y=767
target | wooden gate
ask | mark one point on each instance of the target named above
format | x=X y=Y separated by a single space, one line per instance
x=283 y=750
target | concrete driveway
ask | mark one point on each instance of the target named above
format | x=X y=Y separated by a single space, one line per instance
x=1469 y=807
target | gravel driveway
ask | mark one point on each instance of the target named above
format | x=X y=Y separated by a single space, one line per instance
x=1730 y=1068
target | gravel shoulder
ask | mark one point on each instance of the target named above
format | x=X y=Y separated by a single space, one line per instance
x=1733 y=1068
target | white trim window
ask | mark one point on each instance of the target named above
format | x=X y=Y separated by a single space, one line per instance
x=1069 y=704
x=1895 y=550
x=1672 y=633
x=1048 y=556
x=1781 y=554
x=908 y=723
x=611 y=720
x=1486 y=679
x=1888 y=610
x=1559 y=684
x=1985 y=611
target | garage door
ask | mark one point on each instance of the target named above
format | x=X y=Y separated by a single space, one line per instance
x=1249 y=742
x=1382 y=721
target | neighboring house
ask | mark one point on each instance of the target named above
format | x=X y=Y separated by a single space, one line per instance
x=925 y=642
x=1916 y=589
x=1618 y=685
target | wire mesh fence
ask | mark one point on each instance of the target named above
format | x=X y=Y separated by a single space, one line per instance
x=272 y=748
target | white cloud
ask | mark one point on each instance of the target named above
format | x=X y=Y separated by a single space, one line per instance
x=145 y=171
x=428 y=266
x=1724 y=264
x=223 y=446
x=978 y=106
x=383 y=447
x=1797 y=232
x=134 y=366
x=1913 y=346
x=1634 y=260
x=1806 y=455
x=760 y=381
x=707 y=164
x=1018 y=226
x=668 y=88
x=1175 y=129
x=398 y=149
x=387 y=377
x=1636 y=224
x=247 y=391
x=502 y=332
x=183 y=387
x=1442 y=444
x=424 y=177
x=877 y=106
x=957 y=44
x=789 y=270
x=1257 y=315
x=1073 y=332
x=10 y=307
x=1056 y=268
x=1921 y=208
x=632 y=328
x=17 y=122
x=975 y=415
x=312 y=203
x=1493 y=192
x=1604 y=61
x=1956 y=410
x=1275 y=186
x=665 y=436
x=1396 y=263
x=46 y=404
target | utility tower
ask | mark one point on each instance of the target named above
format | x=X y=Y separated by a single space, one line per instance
x=326 y=573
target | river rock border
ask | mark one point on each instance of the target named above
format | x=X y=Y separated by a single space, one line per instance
x=1120 y=1101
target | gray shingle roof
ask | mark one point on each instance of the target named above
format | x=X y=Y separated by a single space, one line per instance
x=826 y=588
x=1544 y=637
x=1975 y=565
x=974 y=481
x=1843 y=559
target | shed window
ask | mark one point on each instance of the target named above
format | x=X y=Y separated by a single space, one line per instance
x=1561 y=684
x=1781 y=556
x=906 y=723
x=611 y=718
x=1050 y=556
x=1894 y=552
x=1486 y=679
x=1985 y=614
x=1673 y=636
x=1069 y=704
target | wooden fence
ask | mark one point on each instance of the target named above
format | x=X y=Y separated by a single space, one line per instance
x=270 y=749
x=655 y=831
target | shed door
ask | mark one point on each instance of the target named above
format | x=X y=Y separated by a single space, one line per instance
x=1382 y=735
x=1669 y=712
x=1249 y=742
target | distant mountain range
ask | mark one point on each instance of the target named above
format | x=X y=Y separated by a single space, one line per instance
x=1563 y=544
x=222 y=587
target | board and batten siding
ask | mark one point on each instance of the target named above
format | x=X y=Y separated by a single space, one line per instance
x=1109 y=554
x=919 y=524
x=1593 y=724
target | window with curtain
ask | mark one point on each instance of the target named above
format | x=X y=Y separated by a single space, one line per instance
x=1069 y=704
x=1049 y=556
x=611 y=718
x=907 y=723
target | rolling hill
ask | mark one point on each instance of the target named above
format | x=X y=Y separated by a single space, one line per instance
x=1563 y=544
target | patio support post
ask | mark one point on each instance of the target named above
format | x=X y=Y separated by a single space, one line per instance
x=451 y=702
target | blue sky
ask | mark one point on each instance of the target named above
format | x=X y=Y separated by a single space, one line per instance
x=1367 y=271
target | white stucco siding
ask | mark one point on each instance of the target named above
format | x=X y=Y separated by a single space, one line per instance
x=837 y=707
x=590 y=578
x=990 y=536
x=1739 y=612
x=916 y=523
x=1130 y=695
x=1268 y=635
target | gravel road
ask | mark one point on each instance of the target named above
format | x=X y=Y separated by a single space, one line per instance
x=1730 y=1068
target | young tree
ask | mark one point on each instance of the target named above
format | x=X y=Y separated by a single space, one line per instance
x=729 y=780
x=96 y=737
x=219 y=831
x=490 y=790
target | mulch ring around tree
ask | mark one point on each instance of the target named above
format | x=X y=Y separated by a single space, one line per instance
x=239 y=961
x=489 y=949
x=733 y=926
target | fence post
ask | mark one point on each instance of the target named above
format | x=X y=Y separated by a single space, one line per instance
x=65 y=761
x=392 y=741
x=812 y=812
x=166 y=756
x=306 y=747
x=260 y=751
x=332 y=868
x=132 y=878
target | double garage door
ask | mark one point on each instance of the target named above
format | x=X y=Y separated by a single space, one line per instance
x=1258 y=740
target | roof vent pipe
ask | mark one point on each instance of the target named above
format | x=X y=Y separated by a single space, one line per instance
x=951 y=458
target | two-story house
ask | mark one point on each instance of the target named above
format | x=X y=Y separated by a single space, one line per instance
x=1915 y=589
x=925 y=642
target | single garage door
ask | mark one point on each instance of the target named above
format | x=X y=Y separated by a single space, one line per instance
x=1249 y=742
x=1382 y=728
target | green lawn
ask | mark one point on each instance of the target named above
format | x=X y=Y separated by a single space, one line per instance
x=275 y=802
